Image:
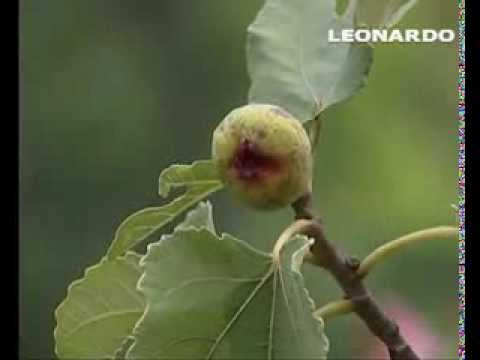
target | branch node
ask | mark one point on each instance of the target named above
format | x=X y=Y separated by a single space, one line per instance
x=359 y=300
x=393 y=330
x=353 y=263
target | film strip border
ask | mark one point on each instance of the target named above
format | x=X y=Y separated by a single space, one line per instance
x=461 y=176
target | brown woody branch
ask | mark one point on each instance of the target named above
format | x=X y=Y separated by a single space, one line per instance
x=344 y=269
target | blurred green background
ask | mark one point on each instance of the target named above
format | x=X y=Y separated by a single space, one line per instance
x=113 y=91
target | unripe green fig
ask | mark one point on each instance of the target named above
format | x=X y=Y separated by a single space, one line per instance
x=264 y=155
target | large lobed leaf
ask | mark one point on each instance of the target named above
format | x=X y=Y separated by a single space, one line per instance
x=99 y=313
x=218 y=298
x=100 y=310
x=292 y=64
x=200 y=179
x=207 y=297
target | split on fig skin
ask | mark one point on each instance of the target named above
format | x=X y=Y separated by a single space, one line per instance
x=263 y=154
x=251 y=165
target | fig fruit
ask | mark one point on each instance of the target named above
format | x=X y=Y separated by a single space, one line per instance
x=264 y=155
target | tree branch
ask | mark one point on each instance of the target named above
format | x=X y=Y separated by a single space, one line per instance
x=344 y=269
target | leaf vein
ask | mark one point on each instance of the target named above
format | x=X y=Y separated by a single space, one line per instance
x=238 y=313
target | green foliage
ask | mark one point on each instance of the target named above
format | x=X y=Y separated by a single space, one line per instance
x=105 y=304
x=201 y=216
x=100 y=310
x=210 y=296
x=201 y=173
x=292 y=64
x=200 y=179
x=228 y=301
